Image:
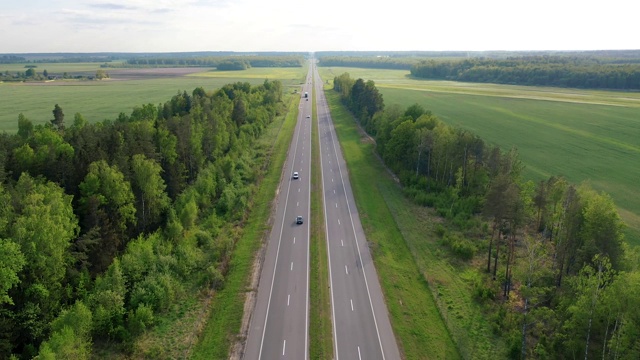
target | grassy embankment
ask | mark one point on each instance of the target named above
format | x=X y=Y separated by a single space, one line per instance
x=320 y=329
x=583 y=135
x=416 y=321
x=227 y=306
x=105 y=99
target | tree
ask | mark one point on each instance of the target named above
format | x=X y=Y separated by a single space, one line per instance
x=58 y=118
x=10 y=267
x=150 y=190
x=25 y=127
x=602 y=229
x=107 y=202
x=43 y=227
x=585 y=303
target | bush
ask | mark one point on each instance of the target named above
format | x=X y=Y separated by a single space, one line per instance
x=462 y=248
x=139 y=320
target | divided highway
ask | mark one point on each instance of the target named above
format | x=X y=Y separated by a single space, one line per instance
x=361 y=326
x=279 y=324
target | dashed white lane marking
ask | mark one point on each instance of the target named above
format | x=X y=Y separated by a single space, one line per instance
x=299 y=190
x=359 y=357
x=334 y=191
x=342 y=242
x=336 y=205
x=298 y=203
x=338 y=221
x=346 y=270
x=284 y=346
x=289 y=297
x=294 y=240
x=291 y=266
x=351 y=304
x=331 y=180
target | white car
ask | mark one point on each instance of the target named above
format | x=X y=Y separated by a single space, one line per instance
x=295 y=175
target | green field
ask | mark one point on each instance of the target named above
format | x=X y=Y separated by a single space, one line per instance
x=583 y=135
x=100 y=100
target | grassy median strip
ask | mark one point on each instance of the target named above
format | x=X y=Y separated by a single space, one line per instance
x=227 y=305
x=416 y=321
x=320 y=335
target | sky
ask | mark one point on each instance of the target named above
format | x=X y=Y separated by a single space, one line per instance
x=35 y=26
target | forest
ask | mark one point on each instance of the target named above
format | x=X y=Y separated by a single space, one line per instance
x=227 y=62
x=560 y=71
x=554 y=274
x=105 y=226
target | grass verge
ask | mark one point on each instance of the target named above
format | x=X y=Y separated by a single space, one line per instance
x=416 y=321
x=320 y=330
x=227 y=305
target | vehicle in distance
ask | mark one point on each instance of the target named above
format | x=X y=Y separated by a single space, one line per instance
x=306 y=94
x=295 y=175
x=299 y=219
x=308 y=116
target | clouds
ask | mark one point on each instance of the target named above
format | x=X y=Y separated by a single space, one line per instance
x=298 y=25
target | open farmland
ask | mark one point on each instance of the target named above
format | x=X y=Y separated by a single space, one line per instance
x=127 y=88
x=583 y=135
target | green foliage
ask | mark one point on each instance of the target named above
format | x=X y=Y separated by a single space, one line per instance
x=12 y=263
x=534 y=70
x=460 y=247
x=140 y=320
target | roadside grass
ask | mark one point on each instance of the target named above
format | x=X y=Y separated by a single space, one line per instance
x=416 y=321
x=223 y=325
x=320 y=326
x=583 y=135
x=100 y=100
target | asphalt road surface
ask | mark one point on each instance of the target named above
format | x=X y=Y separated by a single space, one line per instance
x=361 y=324
x=279 y=324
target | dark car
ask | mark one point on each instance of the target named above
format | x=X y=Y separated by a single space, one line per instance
x=299 y=220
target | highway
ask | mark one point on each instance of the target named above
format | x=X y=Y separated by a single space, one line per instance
x=361 y=326
x=279 y=324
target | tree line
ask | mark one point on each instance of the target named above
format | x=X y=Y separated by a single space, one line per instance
x=236 y=62
x=104 y=226
x=557 y=277
x=561 y=71
x=382 y=62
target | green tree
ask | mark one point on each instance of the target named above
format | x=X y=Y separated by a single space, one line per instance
x=11 y=265
x=58 y=118
x=71 y=335
x=149 y=188
x=107 y=202
x=43 y=227
x=25 y=127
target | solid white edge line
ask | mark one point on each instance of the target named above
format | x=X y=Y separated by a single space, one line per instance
x=273 y=277
x=326 y=224
x=364 y=273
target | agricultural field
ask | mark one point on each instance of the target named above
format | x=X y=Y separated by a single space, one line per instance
x=98 y=100
x=583 y=135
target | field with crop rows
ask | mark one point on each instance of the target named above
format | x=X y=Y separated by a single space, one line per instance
x=583 y=135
